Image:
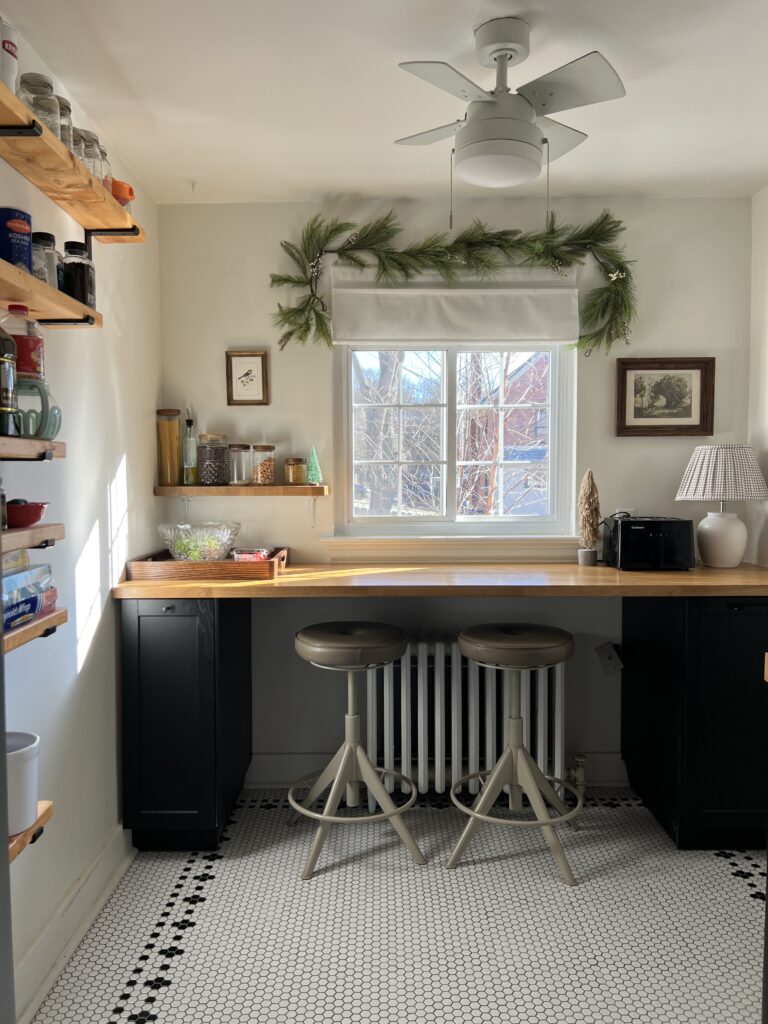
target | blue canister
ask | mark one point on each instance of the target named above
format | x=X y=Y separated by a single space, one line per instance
x=16 y=238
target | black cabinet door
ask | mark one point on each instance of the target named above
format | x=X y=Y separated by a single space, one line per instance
x=169 y=715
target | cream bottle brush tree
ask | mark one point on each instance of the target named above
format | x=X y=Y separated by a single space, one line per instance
x=588 y=512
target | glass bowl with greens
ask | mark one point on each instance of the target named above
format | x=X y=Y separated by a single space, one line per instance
x=199 y=542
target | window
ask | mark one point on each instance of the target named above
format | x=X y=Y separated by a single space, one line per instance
x=457 y=439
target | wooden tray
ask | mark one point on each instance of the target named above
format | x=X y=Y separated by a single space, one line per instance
x=161 y=566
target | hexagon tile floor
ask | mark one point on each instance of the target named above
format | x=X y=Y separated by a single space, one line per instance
x=650 y=933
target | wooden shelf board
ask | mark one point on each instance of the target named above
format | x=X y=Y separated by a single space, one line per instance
x=16 y=449
x=47 y=163
x=277 y=491
x=18 y=843
x=31 y=536
x=43 y=301
x=15 y=638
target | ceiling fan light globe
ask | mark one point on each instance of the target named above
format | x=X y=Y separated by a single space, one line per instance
x=498 y=163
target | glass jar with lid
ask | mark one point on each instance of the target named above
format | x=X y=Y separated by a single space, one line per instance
x=264 y=464
x=295 y=471
x=169 y=447
x=79 y=273
x=65 y=121
x=36 y=91
x=212 y=460
x=106 y=170
x=91 y=153
x=78 y=144
x=240 y=464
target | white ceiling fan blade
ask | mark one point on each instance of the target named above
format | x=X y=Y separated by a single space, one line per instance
x=447 y=78
x=560 y=137
x=589 y=79
x=433 y=135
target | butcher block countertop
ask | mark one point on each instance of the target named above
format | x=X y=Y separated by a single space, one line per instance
x=471 y=580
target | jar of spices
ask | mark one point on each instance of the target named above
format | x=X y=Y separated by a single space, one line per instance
x=169 y=447
x=79 y=273
x=264 y=464
x=91 y=153
x=65 y=121
x=240 y=464
x=44 y=257
x=212 y=460
x=106 y=170
x=37 y=92
x=295 y=471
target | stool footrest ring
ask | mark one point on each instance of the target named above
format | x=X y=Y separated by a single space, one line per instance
x=331 y=819
x=494 y=820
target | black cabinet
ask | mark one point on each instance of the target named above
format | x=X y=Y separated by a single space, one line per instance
x=694 y=716
x=186 y=718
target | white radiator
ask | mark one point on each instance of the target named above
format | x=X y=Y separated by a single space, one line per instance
x=434 y=716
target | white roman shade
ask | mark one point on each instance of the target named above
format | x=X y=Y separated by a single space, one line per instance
x=523 y=312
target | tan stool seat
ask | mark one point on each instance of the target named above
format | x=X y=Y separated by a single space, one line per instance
x=516 y=645
x=350 y=644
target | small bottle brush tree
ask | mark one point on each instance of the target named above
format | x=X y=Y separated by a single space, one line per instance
x=588 y=510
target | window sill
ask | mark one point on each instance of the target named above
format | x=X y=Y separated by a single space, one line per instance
x=451 y=549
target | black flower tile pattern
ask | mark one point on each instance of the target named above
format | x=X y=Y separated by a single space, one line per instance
x=651 y=934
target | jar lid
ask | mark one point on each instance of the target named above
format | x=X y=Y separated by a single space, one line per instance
x=44 y=237
x=211 y=439
x=36 y=81
x=64 y=104
x=169 y=412
x=263 y=447
x=239 y=447
x=14 y=307
x=77 y=135
x=75 y=249
x=90 y=136
x=295 y=462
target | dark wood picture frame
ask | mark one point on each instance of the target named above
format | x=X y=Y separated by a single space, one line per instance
x=263 y=356
x=706 y=414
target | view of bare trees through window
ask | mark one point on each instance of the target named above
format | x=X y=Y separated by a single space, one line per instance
x=404 y=433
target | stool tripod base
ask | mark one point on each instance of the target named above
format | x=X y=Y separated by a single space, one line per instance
x=349 y=767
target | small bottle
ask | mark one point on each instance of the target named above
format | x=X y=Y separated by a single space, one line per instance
x=4 y=505
x=190 y=453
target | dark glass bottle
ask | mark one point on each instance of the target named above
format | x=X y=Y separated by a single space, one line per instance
x=9 y=402
x=79 y=273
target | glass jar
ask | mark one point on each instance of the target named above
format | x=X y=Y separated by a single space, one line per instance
x=79 y=273
x=78 y=144
x=212 y=460
x=295 y=471
x=169 y=447
x=36 y=91
x=65 y=121
x=30 y=344
x=44 y=257
x=106 y=170
x=91 y=153
x=240 y=465
x=264 y=464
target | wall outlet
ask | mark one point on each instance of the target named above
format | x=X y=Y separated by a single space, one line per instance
x=609 y=657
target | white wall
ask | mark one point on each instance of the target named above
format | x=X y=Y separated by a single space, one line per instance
x=65 y=688
x=757 y=512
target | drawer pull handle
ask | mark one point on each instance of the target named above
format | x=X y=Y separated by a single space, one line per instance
x=169 y=607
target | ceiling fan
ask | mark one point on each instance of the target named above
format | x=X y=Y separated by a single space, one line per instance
x=500 y=140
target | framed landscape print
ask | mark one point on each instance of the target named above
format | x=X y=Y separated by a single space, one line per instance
x=247 y=378
x=665 y=397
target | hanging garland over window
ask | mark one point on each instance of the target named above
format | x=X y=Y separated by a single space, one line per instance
x=605 y=316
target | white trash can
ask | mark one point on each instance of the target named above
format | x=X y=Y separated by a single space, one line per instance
x=21 y=750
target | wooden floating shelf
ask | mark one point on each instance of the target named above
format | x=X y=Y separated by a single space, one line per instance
x=47 y=163
x=18 y=843
x=43 y=301
x=17 y=449
x=41 y=535
x=15 y=638
x=235 y=491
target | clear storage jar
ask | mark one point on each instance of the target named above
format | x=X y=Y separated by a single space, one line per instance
x=169 y=447
x=240 y=464
x=295 y=471
x=65 y=121
x=91 y=153
x=106 y=170
x=78 y=144
x=212 y=460
x=36 y=91
x=264 y=464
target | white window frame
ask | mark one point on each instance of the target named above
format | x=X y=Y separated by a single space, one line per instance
x=562 y=462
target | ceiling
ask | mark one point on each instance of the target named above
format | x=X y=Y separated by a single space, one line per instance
x=302 y=99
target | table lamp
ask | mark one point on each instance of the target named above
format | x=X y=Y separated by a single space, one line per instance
x=722 y=472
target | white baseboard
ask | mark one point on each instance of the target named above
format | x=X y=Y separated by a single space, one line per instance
x=38 y=970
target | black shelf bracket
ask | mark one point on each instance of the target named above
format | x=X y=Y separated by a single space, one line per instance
x=85 y=321
x=91 y=233
x=21 y=131
x=44 y=544
x=49 y=632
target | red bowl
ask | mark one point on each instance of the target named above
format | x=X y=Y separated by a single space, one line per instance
x=21 y=516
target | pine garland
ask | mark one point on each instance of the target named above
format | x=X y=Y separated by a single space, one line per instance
x=606 y=313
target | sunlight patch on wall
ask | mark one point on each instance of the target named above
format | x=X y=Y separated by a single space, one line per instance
x=118 y=522
x=87 y=594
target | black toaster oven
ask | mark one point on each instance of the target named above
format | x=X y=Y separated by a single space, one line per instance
x=649 y=542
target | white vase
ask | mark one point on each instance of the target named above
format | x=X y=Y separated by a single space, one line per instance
x=722 y=540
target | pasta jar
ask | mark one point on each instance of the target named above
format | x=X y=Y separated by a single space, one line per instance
x=295 y=471
x=212 y=460
x=169 y=447
x=264 y=464
x=240 y=464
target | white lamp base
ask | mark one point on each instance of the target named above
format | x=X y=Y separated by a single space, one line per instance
x=722 y=540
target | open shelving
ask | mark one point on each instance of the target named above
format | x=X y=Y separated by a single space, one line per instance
x=45 y=303
x=18 y=843
x=29 y=449
x=42 y=626
x=42 y=535
x=247 y=491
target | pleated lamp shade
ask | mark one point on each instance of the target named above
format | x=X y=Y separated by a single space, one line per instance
x=723 y=472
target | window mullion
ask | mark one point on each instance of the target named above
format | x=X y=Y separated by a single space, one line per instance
x=450 y=422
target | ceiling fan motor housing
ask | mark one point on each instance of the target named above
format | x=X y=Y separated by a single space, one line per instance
x=500 y=145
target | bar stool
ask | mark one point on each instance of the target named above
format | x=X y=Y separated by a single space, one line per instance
x=516 y=647
x=351 y=647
